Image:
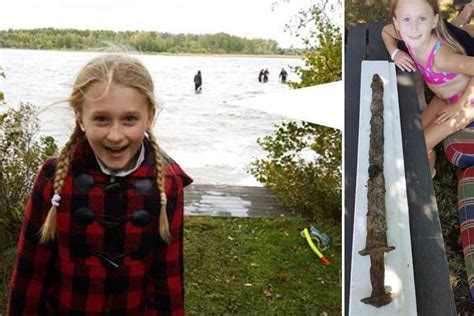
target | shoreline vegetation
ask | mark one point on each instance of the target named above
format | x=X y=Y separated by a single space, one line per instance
x=148 y=42
x=230 y=55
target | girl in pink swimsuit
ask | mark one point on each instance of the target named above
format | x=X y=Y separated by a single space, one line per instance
x=446 y=71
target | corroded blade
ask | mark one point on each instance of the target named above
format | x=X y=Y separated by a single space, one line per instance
x=376 y=240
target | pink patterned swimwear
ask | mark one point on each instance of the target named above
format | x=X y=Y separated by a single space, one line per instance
x=429 y=75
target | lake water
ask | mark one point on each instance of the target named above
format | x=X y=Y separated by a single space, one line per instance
x=212 y=139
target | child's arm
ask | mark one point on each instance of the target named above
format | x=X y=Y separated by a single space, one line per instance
x=33 y=262
x=447 y=60
x=460 y=113
x=401 y=59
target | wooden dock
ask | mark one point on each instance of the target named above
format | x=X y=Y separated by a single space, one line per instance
x=225 y=200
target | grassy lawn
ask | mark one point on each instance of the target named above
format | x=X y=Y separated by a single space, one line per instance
x=257 y=266
x=250 y=266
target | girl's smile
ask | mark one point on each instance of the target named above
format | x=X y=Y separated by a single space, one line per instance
x=415 y=37
x=116 y=153
x=115 y=123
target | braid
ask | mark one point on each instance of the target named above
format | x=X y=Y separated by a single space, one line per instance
x=160 y=181
x=48 y=230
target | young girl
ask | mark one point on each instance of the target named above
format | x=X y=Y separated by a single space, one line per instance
x=442 y=62
x=103 y=229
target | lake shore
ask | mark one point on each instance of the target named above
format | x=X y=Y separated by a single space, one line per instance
x=135 y=52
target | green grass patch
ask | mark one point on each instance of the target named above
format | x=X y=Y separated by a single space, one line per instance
x=249 y=266
x=258 y=266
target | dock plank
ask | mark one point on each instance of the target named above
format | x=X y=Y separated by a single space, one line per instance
x=225 y=200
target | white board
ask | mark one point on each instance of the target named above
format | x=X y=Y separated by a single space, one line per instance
x=398 y=262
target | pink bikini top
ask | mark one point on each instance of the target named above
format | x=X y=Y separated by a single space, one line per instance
x=430 y=76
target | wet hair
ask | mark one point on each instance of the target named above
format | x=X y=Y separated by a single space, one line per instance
x=119 y=69
x=441 y=30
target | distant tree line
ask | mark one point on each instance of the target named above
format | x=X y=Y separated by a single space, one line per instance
x=150 y=42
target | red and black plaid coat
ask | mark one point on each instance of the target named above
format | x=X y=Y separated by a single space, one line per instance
x=108 y=258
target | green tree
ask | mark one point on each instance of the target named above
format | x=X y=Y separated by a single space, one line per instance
x=71 y=39
x=309 y=186
x=323 y=53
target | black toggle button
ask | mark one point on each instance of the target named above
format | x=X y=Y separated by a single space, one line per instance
x=111 y=223
x=140 y=251
x=112 y=186
x=84 y=182
x=136 y=252
x=140 y=218
x=143 y=186
x=107 y=261
x=84 y=216
x=85 y=251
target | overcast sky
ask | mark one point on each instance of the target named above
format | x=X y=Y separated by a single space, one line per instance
x=245 y=18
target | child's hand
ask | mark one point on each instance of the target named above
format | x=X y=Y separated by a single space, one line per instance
x=454 y=112
x=404 y=62
x=465 y=16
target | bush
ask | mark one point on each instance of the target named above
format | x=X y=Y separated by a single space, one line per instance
x=20 y=157
x=303 y=168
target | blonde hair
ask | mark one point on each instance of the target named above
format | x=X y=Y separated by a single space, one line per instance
x=118 y=69
x=441 y=30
